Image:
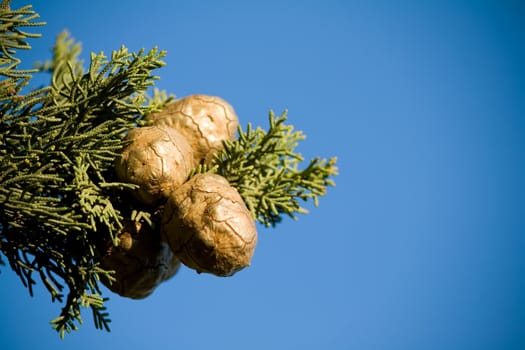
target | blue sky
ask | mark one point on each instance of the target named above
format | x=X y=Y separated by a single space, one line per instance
x=419 y=246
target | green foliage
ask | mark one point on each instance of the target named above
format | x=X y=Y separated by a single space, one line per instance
x=265 y=169
x=59 y=201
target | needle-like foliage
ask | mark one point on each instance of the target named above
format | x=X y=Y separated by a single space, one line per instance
x=266 y=170
x=58 y=197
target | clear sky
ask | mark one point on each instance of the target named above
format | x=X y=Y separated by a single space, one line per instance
x=421 y=243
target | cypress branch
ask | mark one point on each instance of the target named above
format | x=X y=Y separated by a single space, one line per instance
x=62 y=206
x=59 y=200
x=264 y=167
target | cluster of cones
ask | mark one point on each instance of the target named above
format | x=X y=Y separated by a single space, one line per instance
x=202 y=221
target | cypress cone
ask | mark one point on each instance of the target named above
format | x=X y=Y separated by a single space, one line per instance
x=205 y=120
x=208 y=226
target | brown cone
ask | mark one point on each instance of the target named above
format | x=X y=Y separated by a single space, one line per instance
x=208 y=226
